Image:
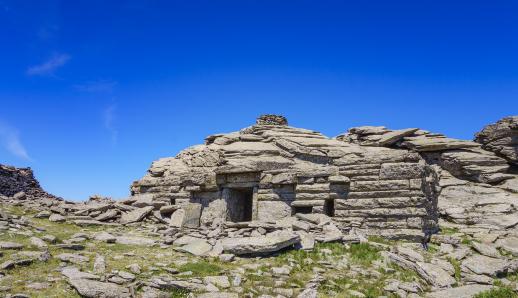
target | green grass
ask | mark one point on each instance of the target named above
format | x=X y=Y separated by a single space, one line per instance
x=363 y=254
x=456 y=265
x=497 y=292
x=179 y=293
x=201 y=268
x=449 y=231
x=381 y=240
x=466 y=240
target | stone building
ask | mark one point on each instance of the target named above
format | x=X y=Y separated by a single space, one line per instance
x=270 y=171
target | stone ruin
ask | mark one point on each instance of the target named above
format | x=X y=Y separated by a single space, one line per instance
x=371 y=180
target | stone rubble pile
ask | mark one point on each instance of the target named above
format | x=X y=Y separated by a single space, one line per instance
x=19 y=185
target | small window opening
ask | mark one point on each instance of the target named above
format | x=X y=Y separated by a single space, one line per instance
x=301 y=209
x=329 y=208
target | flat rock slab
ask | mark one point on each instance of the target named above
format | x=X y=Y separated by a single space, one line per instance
x=10 y=245
x=74 y=273
x=435 y=275
x=105 y=237
x=135 y=215
x=95 y=289
x=509 y=244
x=261 y=244
x=197 y=248
x=72 y=258
x=486 y=250
x=110 y=214
x=135 y=240
x=460 y=292
x=38 y=242
x=480 y=264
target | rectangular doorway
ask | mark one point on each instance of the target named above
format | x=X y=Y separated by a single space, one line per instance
x=240 y=204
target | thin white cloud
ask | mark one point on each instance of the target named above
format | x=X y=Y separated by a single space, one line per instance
x=109 y=119
x=97 y=86
x=49 y=66
x=10 y=140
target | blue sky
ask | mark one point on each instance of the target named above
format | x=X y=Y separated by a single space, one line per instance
x=92 y=92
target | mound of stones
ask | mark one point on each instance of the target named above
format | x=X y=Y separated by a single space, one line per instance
x=19 y=185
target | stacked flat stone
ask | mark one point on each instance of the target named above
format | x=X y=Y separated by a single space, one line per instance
x=464 y=159
x=270 y=119
x=19 y=184
x=501 y=138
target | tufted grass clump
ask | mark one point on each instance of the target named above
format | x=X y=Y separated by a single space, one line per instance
x=201 y=268
x=497 y=292
x=363 y=253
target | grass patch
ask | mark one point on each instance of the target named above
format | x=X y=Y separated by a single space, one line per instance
x=363 y=254
x=498 y=292
x=179 y=293
x=38 y=271
x=449 y=231
x=201 y=268
x=466 y=240
x=456 y=265
x=381 y=240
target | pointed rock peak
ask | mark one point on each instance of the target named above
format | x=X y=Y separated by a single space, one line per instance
x=270 y=119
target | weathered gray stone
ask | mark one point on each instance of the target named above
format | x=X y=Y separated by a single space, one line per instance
x=467 y=291
x=96 y=289
x=72 y=258
x=192 y=215
x=135 y=215
x=134 y=240
x=263 y=244
x=197 y=247
x=74 y=273
x=10 y=245
x=509 y=244
x=105 y=237
x=38 y=242
x=480 y=264
x=56 y=218
x=486 y=250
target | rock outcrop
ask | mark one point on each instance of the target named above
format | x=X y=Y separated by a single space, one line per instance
x=20 y=183
x=501 y=138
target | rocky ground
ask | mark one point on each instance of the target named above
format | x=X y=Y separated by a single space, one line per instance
x=41 y=258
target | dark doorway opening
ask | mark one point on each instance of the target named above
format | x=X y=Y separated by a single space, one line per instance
x=239 y=204
x=329 y=207
x=302 y=209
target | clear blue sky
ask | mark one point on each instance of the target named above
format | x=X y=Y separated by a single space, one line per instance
x=91 y=92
